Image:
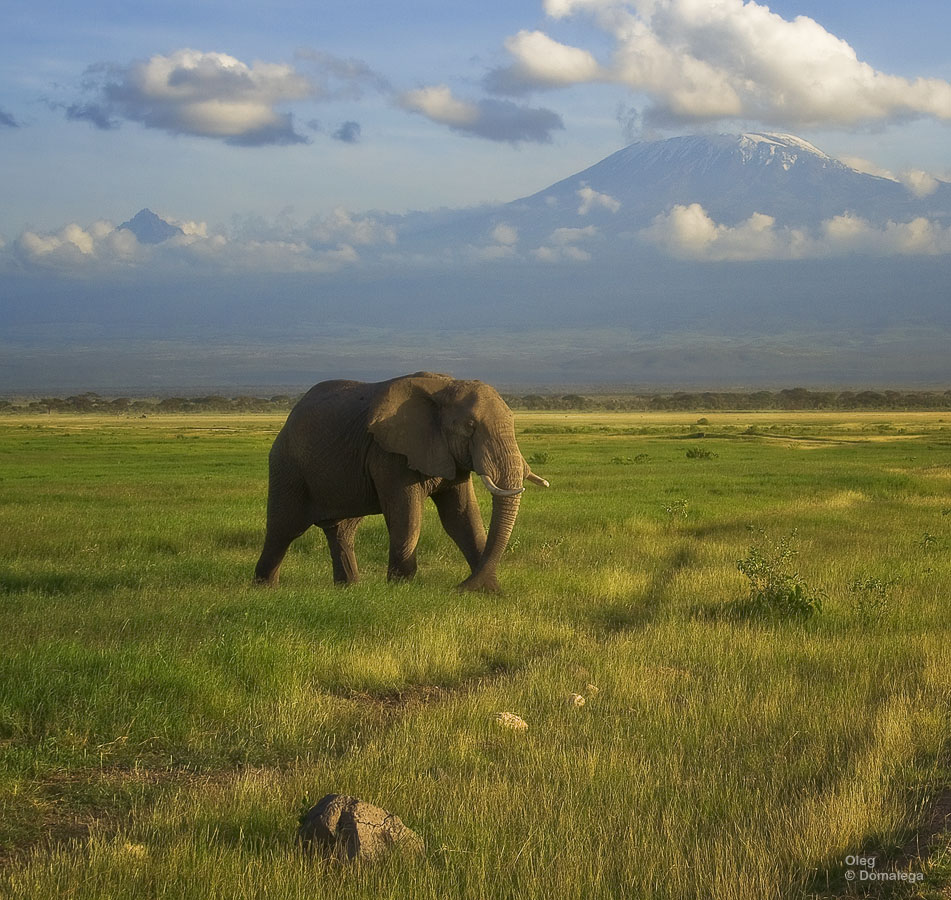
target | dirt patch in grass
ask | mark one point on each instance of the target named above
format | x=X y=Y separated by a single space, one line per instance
x=933 y=834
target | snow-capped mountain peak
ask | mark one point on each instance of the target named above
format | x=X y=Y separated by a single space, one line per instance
x=732 y=176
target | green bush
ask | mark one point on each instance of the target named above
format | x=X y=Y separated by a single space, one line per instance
x=775 y=588
x=870 y=597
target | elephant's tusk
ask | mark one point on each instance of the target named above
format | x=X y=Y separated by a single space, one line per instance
x=535 y=479
x=496 y=491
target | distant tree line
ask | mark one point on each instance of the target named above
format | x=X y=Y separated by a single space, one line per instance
x=93 y=403
x=788 y=399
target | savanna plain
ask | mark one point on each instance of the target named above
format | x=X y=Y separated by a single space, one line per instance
x=754 y=606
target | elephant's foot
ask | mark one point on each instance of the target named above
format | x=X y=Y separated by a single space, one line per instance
x=401 y=569
x=488 y=584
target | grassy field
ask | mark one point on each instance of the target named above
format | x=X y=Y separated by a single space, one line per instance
x=163 y=723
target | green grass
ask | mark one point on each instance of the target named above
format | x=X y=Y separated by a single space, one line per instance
x=162 y=721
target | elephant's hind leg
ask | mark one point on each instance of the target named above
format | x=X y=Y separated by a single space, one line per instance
x=275 y=548
x=288 y=517
x=340 y=537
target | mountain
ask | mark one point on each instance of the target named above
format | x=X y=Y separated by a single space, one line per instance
x=731 y=177
x=596 y=279
x=149 y=228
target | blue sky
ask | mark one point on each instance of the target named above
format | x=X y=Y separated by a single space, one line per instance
x=297 y=109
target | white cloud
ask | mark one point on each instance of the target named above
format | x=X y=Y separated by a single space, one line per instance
x=921 y=184
x=688 y=232
x=210 y=95
x=322 y=246
x=342 y=226
x=591 y=199
x=504 y=241
x=496 y=120
x=716 y=59
x=504 y=234
x=867 y=167
x=562 y=247
x=543 y=62
x=191 y=229
x=437 y=103
x=564 y=236
x=74 y=246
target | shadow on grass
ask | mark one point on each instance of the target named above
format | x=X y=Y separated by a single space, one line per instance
x=63 y=583
x=642 y=609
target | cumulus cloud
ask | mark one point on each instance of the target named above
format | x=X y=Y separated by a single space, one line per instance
x=505 y=234
x=209 y=95
x=920 y=183
x=75 y=247
x=342 y=226
x=542 y=62
x=727 y=59
x=496 y=120
x=592 y=199
x=322 y=245
x=688 y=232
x=562 y=245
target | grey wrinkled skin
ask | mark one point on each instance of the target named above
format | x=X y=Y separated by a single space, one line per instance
x=351 y=449
x=343 y=828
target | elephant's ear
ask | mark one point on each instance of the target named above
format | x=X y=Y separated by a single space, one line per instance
x=405 y=420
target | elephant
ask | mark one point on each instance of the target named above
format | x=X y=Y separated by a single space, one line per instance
x=351 y=449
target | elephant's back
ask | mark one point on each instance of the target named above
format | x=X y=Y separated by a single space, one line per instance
x=328 y=423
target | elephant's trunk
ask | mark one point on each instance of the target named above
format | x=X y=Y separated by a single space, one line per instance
x=504 y=513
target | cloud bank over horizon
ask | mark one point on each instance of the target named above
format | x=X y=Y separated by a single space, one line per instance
x=344 y=240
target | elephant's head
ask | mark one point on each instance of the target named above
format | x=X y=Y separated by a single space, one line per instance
x=448 y=428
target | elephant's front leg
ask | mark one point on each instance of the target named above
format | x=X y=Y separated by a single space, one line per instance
x=340 y=537
x=403 y=512
x=462 y=520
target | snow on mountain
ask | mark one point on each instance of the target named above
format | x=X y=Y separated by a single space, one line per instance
x=732 y=177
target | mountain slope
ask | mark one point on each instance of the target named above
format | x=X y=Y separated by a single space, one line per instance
x=732 y=177
x=149 y=228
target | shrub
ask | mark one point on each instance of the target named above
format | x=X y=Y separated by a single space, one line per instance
x=538 y=459
x=700 y=453
x=775 y=588
x=870 y=597
x=676 y=509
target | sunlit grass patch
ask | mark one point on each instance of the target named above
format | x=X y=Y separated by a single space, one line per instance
x=162 y=721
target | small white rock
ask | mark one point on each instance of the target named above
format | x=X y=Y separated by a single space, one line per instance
x=576 y=700
x=510 y=720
